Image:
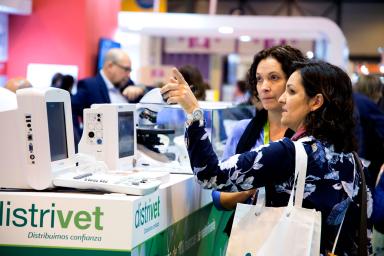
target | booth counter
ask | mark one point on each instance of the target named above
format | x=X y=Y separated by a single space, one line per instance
x=177 y=219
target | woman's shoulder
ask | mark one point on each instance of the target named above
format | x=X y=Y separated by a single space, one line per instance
x=331 y=165
x=323 y=155
x=325 y=152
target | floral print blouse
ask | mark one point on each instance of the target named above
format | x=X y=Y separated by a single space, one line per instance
x=331 y=186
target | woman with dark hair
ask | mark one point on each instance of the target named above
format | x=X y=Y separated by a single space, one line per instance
x=318 y=106
x=267 y=77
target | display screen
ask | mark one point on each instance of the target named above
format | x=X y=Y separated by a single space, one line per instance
x=105 y=45
x=57 y=131
x=126 y=134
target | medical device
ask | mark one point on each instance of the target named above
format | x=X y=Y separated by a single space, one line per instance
x=110 y=135
x=109 y=144
x=37 y=139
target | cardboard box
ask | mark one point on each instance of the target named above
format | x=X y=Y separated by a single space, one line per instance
x=104 y=222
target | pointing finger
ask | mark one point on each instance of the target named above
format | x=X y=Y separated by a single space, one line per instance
x=179 y=77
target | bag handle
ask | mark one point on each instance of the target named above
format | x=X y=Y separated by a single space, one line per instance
x=363 y=208
x=300 y=174
x=301 y=159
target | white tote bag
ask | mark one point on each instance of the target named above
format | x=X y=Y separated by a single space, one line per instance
x=276 y=231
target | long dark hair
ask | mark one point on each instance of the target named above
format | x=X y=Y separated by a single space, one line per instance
x=333 y=122
x=285 y=55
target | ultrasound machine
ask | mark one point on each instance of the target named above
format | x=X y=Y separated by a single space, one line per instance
x=38 y=152
x=110 y=137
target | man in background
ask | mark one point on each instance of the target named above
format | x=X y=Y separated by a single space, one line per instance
x=370 y=124
x=8 y=92
x=241 y=94
x=106 y=85
x=17 y=83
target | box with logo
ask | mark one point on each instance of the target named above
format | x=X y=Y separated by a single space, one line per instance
x=72 y=223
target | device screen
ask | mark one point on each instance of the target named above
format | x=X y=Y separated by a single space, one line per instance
x=57 y=130
x=126 y=134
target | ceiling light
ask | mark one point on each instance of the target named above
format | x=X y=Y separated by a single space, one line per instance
x=226 y=30
x=245 y=38
x=364 y=69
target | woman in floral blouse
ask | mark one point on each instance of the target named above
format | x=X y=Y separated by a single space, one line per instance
x=318 y=106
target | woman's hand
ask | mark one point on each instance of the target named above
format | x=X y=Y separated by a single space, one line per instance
x=229 y=200
x=178 y=91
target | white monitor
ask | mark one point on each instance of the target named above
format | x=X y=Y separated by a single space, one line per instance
x=37 y=139
x=110 y=135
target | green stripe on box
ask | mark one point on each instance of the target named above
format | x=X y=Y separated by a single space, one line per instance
x=57 y=251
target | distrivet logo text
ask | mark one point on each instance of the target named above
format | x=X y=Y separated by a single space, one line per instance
x=36 y=217
x=147 y=212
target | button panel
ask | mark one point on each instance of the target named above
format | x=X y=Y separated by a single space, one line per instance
x=95 y=128
x=31 y=159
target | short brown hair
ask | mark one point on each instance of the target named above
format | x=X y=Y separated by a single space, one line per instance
x=370 y=85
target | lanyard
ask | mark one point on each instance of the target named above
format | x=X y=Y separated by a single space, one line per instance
x=266 y=133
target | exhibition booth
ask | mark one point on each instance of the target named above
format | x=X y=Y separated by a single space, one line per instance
x=129 y=190
x=55 y=202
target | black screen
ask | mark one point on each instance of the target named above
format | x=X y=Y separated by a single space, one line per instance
x=126 y=133
x=57 y=130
